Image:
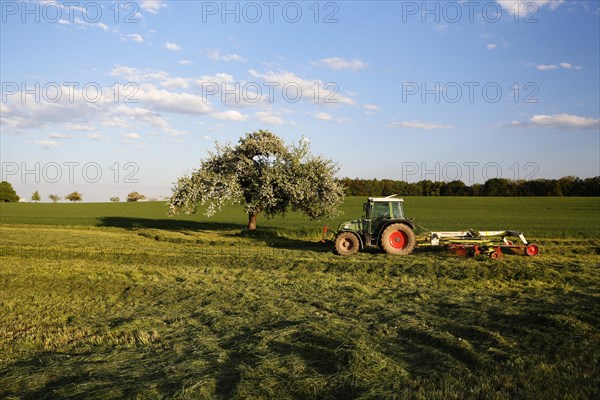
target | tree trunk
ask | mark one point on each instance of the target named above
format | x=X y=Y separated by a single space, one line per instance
x=252 y=221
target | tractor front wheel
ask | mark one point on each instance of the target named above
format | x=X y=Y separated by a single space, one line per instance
x=398 y=239
x=346 y=244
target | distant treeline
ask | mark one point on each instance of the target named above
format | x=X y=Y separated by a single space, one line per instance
x=567 y=186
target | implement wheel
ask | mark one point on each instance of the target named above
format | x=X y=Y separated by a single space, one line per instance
x=532 y=250
x=398 y=239
x=346 y=244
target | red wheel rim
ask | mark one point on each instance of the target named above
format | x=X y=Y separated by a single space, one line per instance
x=532 y=250
x=398 y=240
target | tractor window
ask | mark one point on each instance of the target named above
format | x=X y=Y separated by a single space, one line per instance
x=397 y=210
x=381 y=210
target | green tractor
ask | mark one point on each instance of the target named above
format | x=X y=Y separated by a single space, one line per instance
x=383 y=225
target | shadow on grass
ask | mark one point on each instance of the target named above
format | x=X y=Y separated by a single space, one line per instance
x=320 y=356
x=265 y=234
x=166 y=224
x=272 y=238
x=69 y=376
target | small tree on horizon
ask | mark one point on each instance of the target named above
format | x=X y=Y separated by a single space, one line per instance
x=35 y=196
x=266 y=176
x=54 y=198
x=115 y=199
x=74 y=197
x=8 y=193
x=135 y=196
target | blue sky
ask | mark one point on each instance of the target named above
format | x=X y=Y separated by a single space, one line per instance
x=401 y=90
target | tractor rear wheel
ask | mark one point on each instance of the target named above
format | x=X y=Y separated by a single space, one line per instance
x=346 y=244
x=398 y=239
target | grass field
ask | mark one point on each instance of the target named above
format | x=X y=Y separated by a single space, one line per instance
x=118 y=300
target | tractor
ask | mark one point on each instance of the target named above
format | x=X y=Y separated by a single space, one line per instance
x=384 y=224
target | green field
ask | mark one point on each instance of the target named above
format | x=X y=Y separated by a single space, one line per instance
x=546 y=217
x=119 y=300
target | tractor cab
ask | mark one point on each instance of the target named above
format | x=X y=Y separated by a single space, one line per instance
x=384 y=207
x=379 y=211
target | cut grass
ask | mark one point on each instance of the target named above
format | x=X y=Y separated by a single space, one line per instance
x=120 y=301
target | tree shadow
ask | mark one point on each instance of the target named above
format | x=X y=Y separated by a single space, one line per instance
x=166 y=224
x=268 y=235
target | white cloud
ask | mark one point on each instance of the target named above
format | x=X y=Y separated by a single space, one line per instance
x=418 y=125
x=129 y=73
x=152 y=6
x=224 y=88
x=143 y=115
x=184 y=62
x=234 y=57
x=213 y=55
x=172 y=46
x=491 y=46
x=59 y=136
x=155 y=75
x=132 y=74
x=230 y=115
x=174 y=83
x=163 y=100
x=564 y=121
x=567 y=65
x=69 y=107
x=216 y=127
x=47 y=144
x=339 y=63
x=78 y=22
x=94 y=136
x=268 y=118
x=563 y=65
x=326 y=93
x=218 y=79
x=372 y=107
x=115 y=121
x=543 y=67
x=323 y=116
x=525 y=6
x=217 y=56
x=79 y=127
x=135 y=37
x=132 y=136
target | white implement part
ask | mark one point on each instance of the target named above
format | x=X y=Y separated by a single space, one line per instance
x=472 y=234
x=492 y=241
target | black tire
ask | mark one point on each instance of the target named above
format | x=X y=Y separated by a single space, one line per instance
x=398 y=239
x=346 y=244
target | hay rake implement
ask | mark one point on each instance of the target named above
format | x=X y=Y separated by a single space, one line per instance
x=472 y=243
